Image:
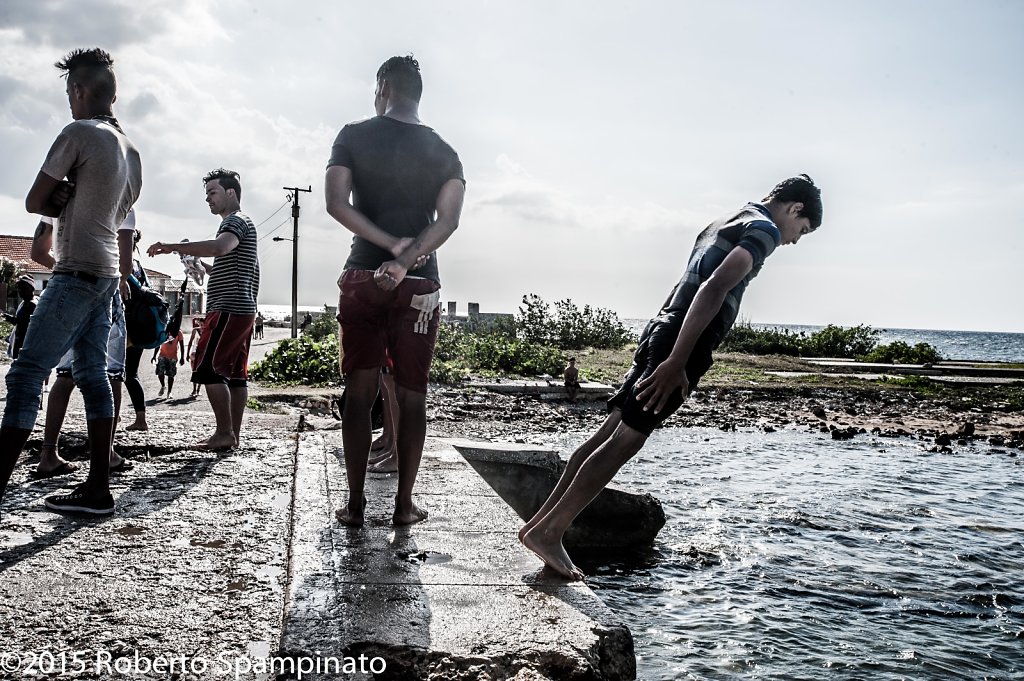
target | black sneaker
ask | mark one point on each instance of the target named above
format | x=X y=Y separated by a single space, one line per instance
x=77 y=501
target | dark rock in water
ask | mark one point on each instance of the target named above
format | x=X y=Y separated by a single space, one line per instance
x=997 y=440
x=818 y=411
x=943 y=440
x=525 y=477
x=966 y=430
x=844 y=433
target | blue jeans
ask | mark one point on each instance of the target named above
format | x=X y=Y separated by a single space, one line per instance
x=72 y=313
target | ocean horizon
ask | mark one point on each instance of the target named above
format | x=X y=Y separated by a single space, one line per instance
x=952 y=344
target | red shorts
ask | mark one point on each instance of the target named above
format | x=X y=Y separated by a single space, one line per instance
x=222 y=352
x=401 y=324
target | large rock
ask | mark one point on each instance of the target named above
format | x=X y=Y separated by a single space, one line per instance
x=524 y=478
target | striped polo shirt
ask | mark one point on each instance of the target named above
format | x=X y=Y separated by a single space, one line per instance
x=752 y=229
x=235 y=279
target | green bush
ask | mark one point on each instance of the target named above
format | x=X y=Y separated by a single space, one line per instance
x=513 y=356
x=899 y=352
x=856 y=342
x=569 y=327
x=448 y=372
x=300 y=360
x=745 y=338
x=459 y=350
x=323 y=327
x=837 y=341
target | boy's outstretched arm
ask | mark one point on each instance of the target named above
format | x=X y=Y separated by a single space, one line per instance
x=655 y=390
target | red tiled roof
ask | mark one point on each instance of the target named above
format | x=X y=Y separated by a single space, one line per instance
x=19 y=249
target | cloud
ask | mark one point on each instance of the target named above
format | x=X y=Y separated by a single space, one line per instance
x=142 y=106
x=516 y=193
x=110 y=24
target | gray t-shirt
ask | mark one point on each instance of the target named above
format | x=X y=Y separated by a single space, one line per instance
x=107 y=171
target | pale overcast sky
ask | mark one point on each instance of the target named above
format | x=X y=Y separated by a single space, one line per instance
x=598 y=138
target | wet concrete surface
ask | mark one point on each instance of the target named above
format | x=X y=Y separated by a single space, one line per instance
x=454 y=597
x=191 y=567
x=221 y=563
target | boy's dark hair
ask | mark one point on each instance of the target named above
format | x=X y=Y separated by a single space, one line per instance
x=802 y=190
x=403 y=74
x=92 y=69
x=228 y=179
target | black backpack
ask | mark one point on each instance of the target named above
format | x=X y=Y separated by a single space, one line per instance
x=146 y=316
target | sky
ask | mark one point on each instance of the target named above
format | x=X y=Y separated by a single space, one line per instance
x=598 y=139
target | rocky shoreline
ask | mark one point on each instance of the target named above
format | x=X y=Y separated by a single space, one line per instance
x=840 y=413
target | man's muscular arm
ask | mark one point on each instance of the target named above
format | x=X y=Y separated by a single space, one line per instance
x=48 y=196
x=449 y=211
x=42 y=242
x=338 y=194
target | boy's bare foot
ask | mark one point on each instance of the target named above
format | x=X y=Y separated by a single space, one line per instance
x=348 y=516
x=408 y=516
x=51 y=464
x=218 y=442
x=138 y=425
x=380 y=444
x=381 y=456
x=386 y=465
x=116 y=460
x=552 y=553
x=530 y=524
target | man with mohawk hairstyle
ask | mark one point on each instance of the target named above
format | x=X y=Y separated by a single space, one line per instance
x=90 y=179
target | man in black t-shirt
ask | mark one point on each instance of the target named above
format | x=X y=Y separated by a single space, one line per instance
x=399 y=187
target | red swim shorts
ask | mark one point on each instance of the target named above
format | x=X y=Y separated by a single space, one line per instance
x=222 y=353
x=402 y=323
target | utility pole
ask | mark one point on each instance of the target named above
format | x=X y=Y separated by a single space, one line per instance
x=294 y=192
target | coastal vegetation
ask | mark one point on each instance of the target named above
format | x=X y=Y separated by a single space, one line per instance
x=540 y=337
x=856 y=342
x=534 y=342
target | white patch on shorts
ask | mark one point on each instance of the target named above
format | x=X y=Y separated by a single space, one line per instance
x=426 y=305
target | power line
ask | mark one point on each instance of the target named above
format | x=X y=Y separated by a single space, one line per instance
x=286 y=202
x=279 y=226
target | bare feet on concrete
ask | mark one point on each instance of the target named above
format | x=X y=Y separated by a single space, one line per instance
x=551 y=551
x=218 y=442
x=349 y=516
x=388 y=464
x=51 y=464
x=408 y=515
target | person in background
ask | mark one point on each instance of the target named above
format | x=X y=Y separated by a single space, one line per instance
x=572 y=379
x=133 y=354
x=167 y=357
x=26 y=287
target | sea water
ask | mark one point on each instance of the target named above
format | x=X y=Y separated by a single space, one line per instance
x=792 y=556
x=980 y=346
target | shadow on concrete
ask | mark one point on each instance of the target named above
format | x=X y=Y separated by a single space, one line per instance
x=141 y=496
x=355 y=591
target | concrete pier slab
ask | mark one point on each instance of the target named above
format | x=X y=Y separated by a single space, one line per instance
x=454 y=597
